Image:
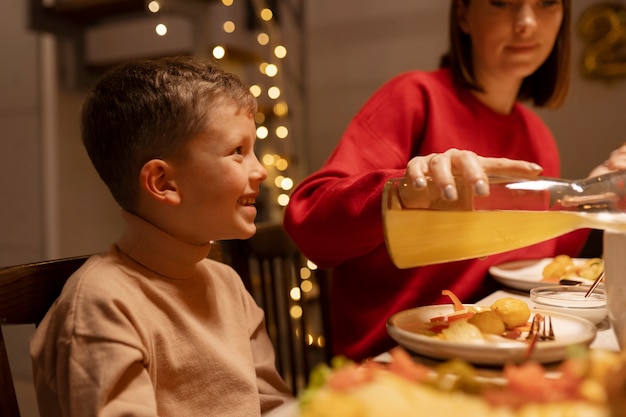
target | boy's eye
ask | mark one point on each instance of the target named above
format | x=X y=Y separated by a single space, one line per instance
x=238 y=150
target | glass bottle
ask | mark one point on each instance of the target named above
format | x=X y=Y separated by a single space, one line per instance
x=422 y=228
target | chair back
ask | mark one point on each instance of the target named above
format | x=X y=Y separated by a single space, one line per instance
x=26 y=293
x=293 y=294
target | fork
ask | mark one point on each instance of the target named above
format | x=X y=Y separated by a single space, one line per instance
x=540 y=329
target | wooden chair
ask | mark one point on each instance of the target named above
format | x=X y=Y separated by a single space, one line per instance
x=26 y=293
x=294 y=296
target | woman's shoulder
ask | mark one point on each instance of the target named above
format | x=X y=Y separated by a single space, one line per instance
x=436 y=79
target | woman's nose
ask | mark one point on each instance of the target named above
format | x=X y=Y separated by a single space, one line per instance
x=525 y=19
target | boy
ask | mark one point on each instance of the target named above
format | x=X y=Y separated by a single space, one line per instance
x=152 y=327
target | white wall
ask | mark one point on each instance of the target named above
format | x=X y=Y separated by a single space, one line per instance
x=354 y=46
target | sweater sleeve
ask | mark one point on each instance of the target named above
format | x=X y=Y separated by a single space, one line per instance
x=327 y=211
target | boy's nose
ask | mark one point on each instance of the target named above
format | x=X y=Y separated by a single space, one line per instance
x=259 y=172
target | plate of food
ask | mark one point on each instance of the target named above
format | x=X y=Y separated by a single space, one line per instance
x=489 y=335
x=530 y=273
x=584 y=385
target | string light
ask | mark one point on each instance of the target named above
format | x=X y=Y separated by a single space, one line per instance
x=161 y=29
x=218 y=52
x=272 y=118
x=154 y=6
x=263 y=38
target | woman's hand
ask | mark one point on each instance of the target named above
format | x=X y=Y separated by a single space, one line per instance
x=473 y=168
x=615 y=162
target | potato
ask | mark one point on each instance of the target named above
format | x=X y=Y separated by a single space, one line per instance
x=488 y=322
x=560 y=266
x=513 y=312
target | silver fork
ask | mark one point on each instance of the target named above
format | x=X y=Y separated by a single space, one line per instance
x=541 y=328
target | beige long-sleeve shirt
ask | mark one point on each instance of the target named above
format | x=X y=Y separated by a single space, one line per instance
x=153 y=328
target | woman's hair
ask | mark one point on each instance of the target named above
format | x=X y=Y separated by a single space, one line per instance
x=150 y=109
x=546 y=87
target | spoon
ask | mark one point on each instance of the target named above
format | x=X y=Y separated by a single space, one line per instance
x=595 y=284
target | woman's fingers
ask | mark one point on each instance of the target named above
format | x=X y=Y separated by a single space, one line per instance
x=472 y=168
x=615 y=162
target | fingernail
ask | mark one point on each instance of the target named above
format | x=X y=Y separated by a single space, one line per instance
x=420 y=182
x=481 y=188
x=449 y=193
x=535 y=167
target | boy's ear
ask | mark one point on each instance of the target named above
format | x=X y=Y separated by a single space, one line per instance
x=157 y=180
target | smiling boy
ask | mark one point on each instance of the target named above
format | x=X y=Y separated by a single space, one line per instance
x=152 y=327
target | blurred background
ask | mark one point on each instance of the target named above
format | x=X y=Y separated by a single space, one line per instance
x=312 y=64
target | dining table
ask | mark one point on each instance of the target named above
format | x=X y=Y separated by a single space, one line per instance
x=605 y=339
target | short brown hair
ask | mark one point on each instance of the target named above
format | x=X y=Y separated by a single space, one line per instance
x=546 y=87
x=149 y=109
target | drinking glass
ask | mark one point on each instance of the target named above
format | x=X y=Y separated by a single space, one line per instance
x=615 y=282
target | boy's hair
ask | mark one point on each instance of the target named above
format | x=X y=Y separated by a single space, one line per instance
x=548 y=86
x=149 y=109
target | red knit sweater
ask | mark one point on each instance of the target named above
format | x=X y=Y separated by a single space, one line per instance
x=335 y=214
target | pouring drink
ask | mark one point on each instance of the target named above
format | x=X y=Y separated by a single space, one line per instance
x=421 y=228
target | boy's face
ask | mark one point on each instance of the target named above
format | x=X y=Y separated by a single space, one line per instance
x=218 y=180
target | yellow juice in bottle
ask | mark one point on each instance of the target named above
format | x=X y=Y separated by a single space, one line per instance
x=445 y=231
x=423 y=237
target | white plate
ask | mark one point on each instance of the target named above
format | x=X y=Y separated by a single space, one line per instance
x=528 y=274
x=569 y=330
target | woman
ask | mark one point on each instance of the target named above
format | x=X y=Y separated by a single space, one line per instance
x=465 y=119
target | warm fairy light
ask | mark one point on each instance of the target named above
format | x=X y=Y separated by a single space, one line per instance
x=219 y=52
x=282 y=164
x=305 y=273
x=271 y=70
x=259 y=118
x=311 y=265
x=273 y=92
x=160 y=29
x=282 y=132
x=306 y=286
x=261 y=132
x=295 y=312
x=154 y=6
x=268 y=159
x=280 y=109
x=280 y=51
x=321 y=341
x=283 y=200
x=286 y=183
x=278 y=180
x=263 y=67
x=255 y=90
x=263 y=38
x=227 y=2
x=266 y=14
x=228 y=26
x=295 y=293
